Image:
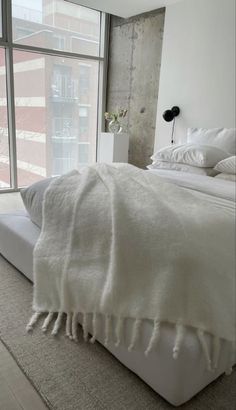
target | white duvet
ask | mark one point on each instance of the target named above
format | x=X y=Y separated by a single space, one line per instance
x=123 y=243
x=212 y=186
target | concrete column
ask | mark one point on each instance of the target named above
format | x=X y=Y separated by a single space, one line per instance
x=133 y=78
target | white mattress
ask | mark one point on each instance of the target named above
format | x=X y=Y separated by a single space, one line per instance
x=18 y=236
x=175 y=380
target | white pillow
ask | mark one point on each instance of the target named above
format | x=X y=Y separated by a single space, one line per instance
x=224 y=138
x=227 y=166
x=203 y=156
x=229 y=177
x=32 y=197
x=183 y=168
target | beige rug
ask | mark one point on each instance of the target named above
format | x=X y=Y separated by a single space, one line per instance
x=82 y=377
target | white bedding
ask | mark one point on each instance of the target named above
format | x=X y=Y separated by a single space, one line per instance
x=137 y=224
x=201 y=183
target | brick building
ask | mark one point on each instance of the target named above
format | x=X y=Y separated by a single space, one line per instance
x=55 y=97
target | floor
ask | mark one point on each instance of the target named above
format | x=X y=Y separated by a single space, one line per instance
x=16 y=392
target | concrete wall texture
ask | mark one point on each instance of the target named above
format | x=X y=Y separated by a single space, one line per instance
x=133 y=78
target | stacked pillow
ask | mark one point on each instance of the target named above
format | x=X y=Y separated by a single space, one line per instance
x=194 y=158
x=224 y=138
x=204 y=149
x=227 y=169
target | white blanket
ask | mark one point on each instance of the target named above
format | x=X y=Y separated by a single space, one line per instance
x=121 y=242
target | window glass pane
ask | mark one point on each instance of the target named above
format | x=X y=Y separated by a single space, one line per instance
x=56 y=114
x=56 y=24
x=4 y=145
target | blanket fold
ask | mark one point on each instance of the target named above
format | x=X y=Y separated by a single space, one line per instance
x=120 y=242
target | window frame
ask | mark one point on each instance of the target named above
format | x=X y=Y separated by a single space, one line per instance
x=1 y=19
x=7 y=43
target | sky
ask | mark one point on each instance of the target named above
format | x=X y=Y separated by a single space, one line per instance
x=31 y=4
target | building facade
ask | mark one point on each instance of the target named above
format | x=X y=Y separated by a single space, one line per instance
x=55 y=97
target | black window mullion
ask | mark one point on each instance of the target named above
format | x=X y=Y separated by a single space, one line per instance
x=10 y=94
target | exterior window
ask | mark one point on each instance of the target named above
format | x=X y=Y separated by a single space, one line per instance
x=64 y=82
x=62 y=128
x=47 y=115
x=48 y=19
x=49 y=89
x=83 y=122
x=59 y=42
x=84 y=78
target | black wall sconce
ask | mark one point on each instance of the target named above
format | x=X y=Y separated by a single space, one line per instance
x=170 y=115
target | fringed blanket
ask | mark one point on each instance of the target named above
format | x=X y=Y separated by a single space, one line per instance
x=119 y=242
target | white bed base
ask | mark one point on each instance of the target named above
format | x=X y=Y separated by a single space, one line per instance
x=175 y=380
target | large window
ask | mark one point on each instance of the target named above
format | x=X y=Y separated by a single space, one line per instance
x=51 y=74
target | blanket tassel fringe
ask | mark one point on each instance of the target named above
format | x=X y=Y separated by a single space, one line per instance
x=94 y=324
x=71 y=330
x=155 y=337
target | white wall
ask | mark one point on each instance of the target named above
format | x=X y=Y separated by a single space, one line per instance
x=124 y=8
x=198 y=67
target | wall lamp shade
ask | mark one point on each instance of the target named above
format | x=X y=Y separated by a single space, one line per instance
x=169 y=115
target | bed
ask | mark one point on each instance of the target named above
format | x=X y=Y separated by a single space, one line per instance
x=175 y=380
